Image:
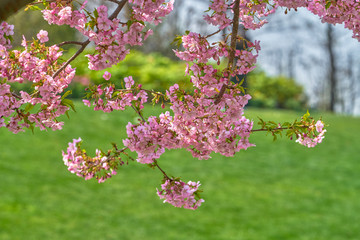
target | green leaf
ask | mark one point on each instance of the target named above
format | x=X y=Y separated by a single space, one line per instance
x=28 y=107
x=66 y=94
x=67 y=114
x=177 y=41
x=328 y=4
x=306 y=115
x=68 y=103
x=96 y=14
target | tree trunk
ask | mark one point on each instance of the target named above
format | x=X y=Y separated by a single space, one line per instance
x=332 y=67
x=9 y=7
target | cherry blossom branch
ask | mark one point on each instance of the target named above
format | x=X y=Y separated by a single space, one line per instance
x=85 y=43
x=273 y=129
x=232 y=49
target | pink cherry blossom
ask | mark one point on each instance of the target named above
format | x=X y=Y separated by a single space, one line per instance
x=43 y=36
x=180 y=194
x=107 y=75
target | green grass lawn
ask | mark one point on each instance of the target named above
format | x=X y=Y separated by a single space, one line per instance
x=277 y=190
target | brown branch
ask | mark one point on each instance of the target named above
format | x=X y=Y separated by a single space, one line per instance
x=69 y=42
x=212 y=34
x=163 y=172
x=83 y=46
x=118 y=9
x=232 y=49
x=15 y=95
x=10 y=7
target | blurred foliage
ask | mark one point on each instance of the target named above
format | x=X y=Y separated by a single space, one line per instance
x=29 y=23
x=153 y=71
x=275 y=92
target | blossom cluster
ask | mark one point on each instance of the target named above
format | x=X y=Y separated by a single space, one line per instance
x=6 y=31
x=110 y=37
x=100 y=167
x=334 y=12
x=180 y=194
x=107 y=98
x=312 y=137
x=252 y=15
x=36 y=64
x=150 y=139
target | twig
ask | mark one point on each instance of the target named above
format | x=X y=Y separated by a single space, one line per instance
x=212 y=34
x=146 y=90
x=83 y=46
x=138 y=112
x=278 y=128
x=15 y=95
x=264 y=129
x=69 y=42
x=163 y=172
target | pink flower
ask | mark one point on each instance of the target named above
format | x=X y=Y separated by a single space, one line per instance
x=319 y=126
x=107 y=75
x=180 y=194
x=129 y=82
x=43 y=36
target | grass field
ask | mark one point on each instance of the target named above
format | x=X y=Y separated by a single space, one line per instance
x=277 y=190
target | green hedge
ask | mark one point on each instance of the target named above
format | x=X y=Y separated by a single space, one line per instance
x=275 y=92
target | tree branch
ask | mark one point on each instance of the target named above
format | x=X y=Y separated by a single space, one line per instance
x=163 y=172
x=83 y=46
x=231 y=65
x=9 y=7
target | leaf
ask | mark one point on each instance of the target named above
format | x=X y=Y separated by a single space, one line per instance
x=306 y=115
x=68 y=103
x=177 y=41
x=28 y=107
x=32 y=7
x=328 y=4
x=66 y=94
x=96 y=14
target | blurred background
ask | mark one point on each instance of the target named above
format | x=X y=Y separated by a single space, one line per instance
x=276 y=190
